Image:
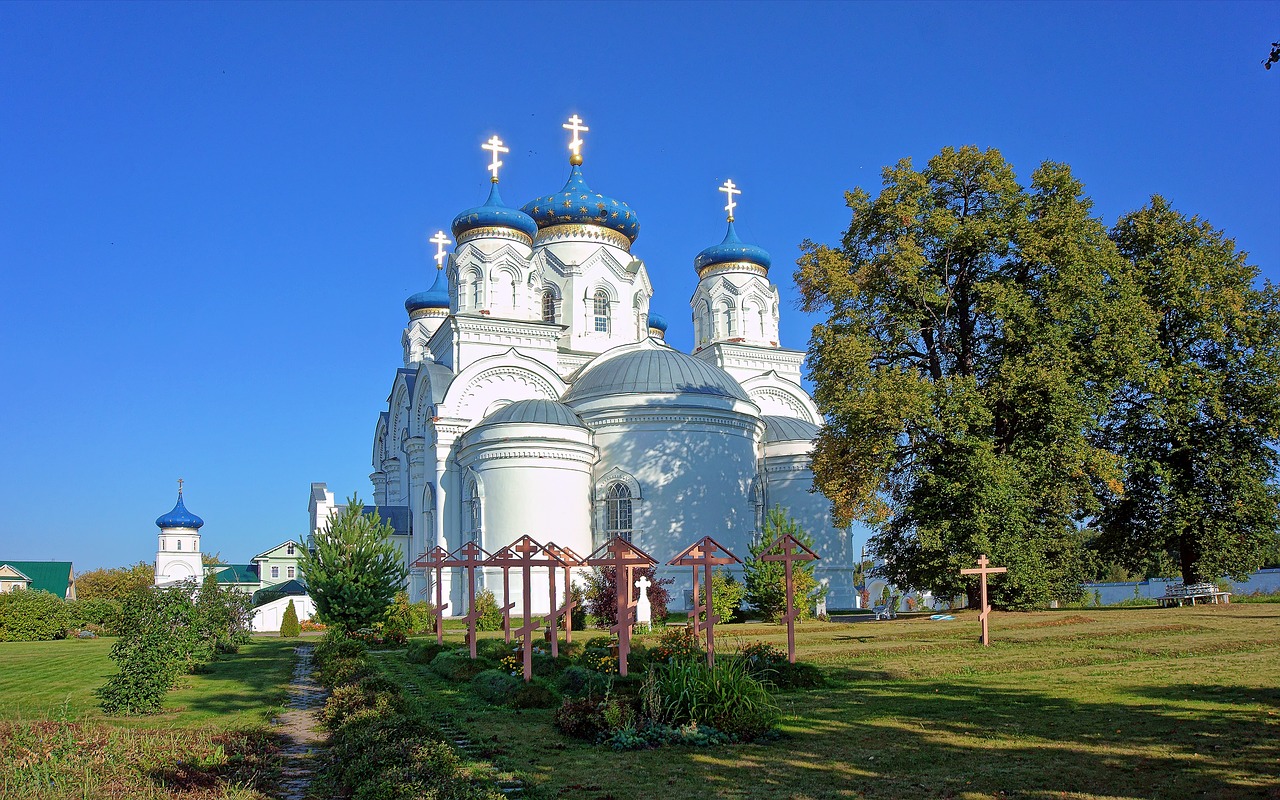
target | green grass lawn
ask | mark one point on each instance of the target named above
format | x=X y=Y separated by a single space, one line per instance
x=211 y=741
x=1133 y=703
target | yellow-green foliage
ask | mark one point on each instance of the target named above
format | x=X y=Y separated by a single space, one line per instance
x=289 y=626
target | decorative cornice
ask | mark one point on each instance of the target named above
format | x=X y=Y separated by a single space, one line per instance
x=554 y=454
x=495 y=233
x=554 y=233
x=428 y=312
x=732 y=266
x=637 y=415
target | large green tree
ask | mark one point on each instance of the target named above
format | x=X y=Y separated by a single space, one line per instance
x=976 y=331
x=1198 y=428
x=354 y=570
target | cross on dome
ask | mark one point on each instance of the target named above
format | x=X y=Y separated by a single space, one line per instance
x=495 y=146
x=440 y=240
x=575 y=126
x=729 y=191
x=179 y=487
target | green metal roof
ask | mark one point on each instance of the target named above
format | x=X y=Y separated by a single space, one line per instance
x=51 y=576
x=238 y=573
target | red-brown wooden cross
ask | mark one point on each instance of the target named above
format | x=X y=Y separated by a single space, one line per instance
x=567 y=557
x=982 y=572
x=434 y=560
x=624 y=558
x=705 y=553
x=469 y=556
x=789 y=550
x=504 y=559
x=524 y=553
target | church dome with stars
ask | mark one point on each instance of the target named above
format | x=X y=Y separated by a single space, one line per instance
x=179 y=517
x=732 y=250
x=579 y=204
x=493 y=214
x=435 y=298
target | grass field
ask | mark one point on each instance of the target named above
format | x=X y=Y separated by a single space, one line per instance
x=1132 y=703
x=210 y=742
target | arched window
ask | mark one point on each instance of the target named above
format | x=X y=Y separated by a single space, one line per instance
x=548 y=306
x=601 y=308
x=162 y=545
x=472 y=511
x=477 y=293
x=618 y=511
x=729 y=329
x=179 y=544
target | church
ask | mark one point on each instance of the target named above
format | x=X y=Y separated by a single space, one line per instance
x=538 y=396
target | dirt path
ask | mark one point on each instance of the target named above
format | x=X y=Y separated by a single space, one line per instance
x=299 y=726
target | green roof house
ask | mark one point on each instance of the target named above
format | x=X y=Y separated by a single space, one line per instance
x=54 y=577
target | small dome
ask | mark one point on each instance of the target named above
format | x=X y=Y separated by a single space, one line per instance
x=538 y=412
x=494 y=214
x=659 y=370
x=179 y=517
x=788 y=429
x=434 y=298
x=577 y=203
x=732 y=249
x=657 y=322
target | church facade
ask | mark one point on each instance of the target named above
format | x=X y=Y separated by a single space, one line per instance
x=537 y=396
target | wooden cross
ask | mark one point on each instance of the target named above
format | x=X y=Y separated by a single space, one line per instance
x=575 y=126
x=523 y=553
x=705 y=553
x=729 y=191
x=982 y=572
x=440 y=240
x=567 y=557
x=435 y=560
x=504 y=559
x=789 y=550
x=469 y=556
x=494 y=146
x=623 y=557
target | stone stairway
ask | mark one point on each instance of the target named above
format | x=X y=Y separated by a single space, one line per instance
x=300 y=728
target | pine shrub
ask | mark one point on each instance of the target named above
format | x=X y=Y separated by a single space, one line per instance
x=490 y=614
x=290 y=628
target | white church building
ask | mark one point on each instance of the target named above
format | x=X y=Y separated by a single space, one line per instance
x=538 y=397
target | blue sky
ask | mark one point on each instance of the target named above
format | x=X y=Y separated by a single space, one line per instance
x=211 y=214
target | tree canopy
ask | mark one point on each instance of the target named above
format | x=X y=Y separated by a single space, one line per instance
x=976 y=332
x=1197 y=427
x=115 y=583
x=353 y=570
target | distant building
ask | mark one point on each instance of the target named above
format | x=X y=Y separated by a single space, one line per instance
x=54 y=577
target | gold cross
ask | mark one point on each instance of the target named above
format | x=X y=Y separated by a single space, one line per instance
x=575 y=126
x=179 y=487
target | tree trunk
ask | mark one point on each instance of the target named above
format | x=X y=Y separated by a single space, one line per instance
x=1189 y=558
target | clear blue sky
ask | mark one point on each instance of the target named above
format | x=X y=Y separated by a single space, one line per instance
x=211 y=214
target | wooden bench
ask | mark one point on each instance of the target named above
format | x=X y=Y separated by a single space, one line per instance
x=1181 y=594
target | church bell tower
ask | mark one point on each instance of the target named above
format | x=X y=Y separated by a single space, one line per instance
x=178 y=555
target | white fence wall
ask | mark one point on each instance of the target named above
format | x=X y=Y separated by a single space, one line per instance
x=268 y=617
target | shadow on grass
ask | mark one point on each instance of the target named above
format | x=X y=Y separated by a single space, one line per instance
x=252 y=682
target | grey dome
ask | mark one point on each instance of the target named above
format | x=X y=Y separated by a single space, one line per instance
x=788 y=429
x=540 y=412
x=653 y=371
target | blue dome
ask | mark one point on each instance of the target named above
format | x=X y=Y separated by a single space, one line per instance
x=493 y=214
x=578 y=203
x=730 y=250
x=179 y=517
x=657 y=322
x=435 y=297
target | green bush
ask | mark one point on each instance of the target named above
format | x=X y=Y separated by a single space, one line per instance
x=725 y=697
x=490 y=618
x=726 y=596
x=423 y=651
x=578 y=681
x=581 y=719
x=535 y=694
x=458 y=666
x=373 y=694
x=290 y=628
x=657 y=735
x=31 y=616
x=495 y=686
x=101 y=612
x=163 y=634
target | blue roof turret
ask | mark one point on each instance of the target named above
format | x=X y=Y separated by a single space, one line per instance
x=579 y=204
x=179 y=517
x=437 y=297
x=494 y=214
x=732 y=250
x=657 y=322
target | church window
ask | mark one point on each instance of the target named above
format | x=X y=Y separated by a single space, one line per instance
x=179 y=544
x=275 y=572
x=548 y=306
x=289 y=550
x=290 y=572
x=473 y=511
x=162 y=544
x=618 y=511
x=729 y=329
x=477 y=293
x=601 y=309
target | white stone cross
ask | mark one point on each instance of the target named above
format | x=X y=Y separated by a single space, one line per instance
x=440 y=240
x=575 y=125
x=495 y=146
x=644 y=614
x=729 y=191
